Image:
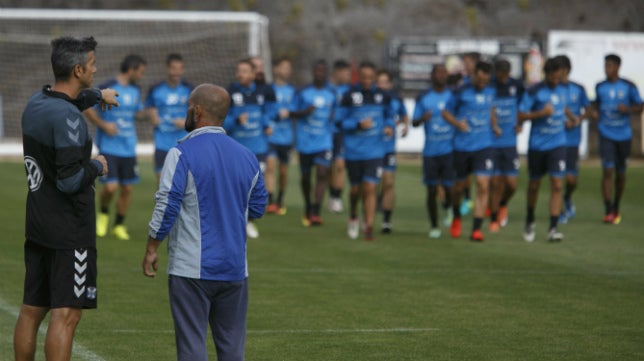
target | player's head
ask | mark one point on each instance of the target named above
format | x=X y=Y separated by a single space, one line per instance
x=439 y=76
x=502 y=70
x=566 y=65
x=74 y=57
x=245 y=73
x=470 y=60
x=482 y=73
x=174 y=68
x=260 y=76
x=612 y=62
x=134 y=67
x=282 y=69
x=320 y=72
x=207 y=106
x=341 y=73
x=384 y=79
x=366 y=74
x=554 y=71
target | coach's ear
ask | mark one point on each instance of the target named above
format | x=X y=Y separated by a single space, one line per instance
x=78 y=70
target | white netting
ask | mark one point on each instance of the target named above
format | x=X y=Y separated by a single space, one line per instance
x=210 y=43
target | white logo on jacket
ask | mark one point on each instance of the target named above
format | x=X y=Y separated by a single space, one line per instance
x=34 y=175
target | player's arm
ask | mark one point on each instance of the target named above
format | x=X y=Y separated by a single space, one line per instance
x=636 y=105
x=571 y=119
x=449 y=111
x=109 y=128
x=420 y=114
x=494 y=122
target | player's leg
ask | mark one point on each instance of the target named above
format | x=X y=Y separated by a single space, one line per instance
x=623 y=152
x=607 y=151
x=388 y=196
x=26 y=332
x=536 y=170
x=284 y=158
x=337 y=174
x=110 y=186
x=510 y=173
x=355 y=172
x=482 y=168
x=497 y=189
x=227 y=319
x=371 y=177
x=572 y=159
x=462 y=166
x=269 y=178
x=190 y=308
x=306 y=163
x=322 y=164
x=159 y=159
x=60 y=333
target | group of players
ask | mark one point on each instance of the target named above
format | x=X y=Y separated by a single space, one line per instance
x=337 y=127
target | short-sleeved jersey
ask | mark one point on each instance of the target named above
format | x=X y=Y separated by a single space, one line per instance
x=506 y=105
x=439 y=134
x=283 y=128
x=475 y=106
x=548 y=132
x=612 y=123
x=258 y=101
x=57 y=146
x=314 y=133
x=122 y=144
x=171 y=103
x=576 y=101
x=357 y=105
x=399 y=111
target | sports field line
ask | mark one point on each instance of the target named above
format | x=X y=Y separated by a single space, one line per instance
x=79 y=350
x=303 y=331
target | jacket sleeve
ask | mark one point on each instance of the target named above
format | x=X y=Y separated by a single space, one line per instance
x=257 y=198
x=168 y=199
x=74 y=170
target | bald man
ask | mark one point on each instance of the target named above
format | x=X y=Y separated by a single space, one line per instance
x=209 y=185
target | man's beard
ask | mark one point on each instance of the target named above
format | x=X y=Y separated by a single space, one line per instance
x=190 y=121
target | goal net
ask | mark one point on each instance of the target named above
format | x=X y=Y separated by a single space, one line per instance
x=211 y=43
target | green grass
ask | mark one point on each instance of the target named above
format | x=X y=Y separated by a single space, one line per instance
x=317 y=295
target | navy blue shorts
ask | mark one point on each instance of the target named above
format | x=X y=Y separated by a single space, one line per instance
x=123 y=170
x=552 y=162
x=281 y=152
x=307 y=161
x=614 y=153
x=159 y=159
x=439 y=170
x=479 y=163
x=389 y=162
x=338 y=145
x=506 y=161
x=369 y=171
x=197 y=303
x=572 y=160
x=59 y=277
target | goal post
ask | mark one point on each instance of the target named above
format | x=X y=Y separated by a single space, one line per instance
x=210 y=42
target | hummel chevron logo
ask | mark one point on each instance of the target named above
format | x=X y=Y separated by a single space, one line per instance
x=73 y=136
x=79 y=291
x=80 y=268
x=73 y=123
x=80 y=256
x=80 y=280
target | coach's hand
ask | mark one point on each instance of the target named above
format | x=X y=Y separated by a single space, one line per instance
x=151 y=258
x=103 y=162
x=108 y=99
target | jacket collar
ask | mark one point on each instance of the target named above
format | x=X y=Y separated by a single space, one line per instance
x=203 y=130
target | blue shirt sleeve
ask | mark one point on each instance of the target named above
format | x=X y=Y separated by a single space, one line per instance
x=634 y=95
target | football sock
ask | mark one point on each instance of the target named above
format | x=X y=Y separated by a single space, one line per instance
x=119 y=219
x=386 y=216
x=607 y=206
x=530 y=217
x=105 y=210
x=553 y=222
x=477 y=223
x=493 y=216
x=280 y=197
x=270 y=198
x=616 y=206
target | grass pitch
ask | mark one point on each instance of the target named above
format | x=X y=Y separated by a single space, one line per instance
x=317 y=295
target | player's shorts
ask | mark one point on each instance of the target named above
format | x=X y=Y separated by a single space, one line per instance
x=614 y=153
x=281 y=152
x=552 y=161
x=506 y=161
x=572 y=160
x=59 y=277
x=439 y=170
x=338 y=145
x=159 y=159
x=122 y=170
x=307 y=161
x=389 y=162
x=261 y=159
x=479 y=163
x=369 y=171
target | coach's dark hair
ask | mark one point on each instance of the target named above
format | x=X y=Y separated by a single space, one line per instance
x=67 y=52
x=131 y=61
x=483 y=66
x=173 y=57
x=502 y=65
x=614 y=58
x=564 y=61
x=341 y=64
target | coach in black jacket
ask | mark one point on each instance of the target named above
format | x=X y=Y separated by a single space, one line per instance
x=60 y=245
